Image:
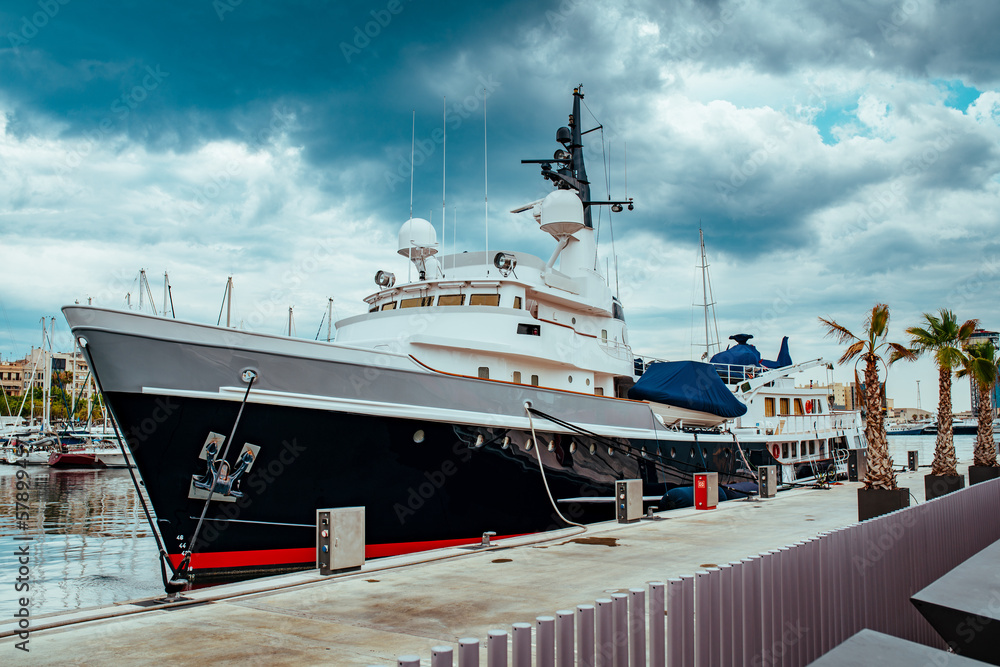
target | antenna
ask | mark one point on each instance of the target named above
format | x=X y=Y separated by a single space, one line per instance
x=444 y=171
x=413 y=143
x=454 y=237
x=486 y=183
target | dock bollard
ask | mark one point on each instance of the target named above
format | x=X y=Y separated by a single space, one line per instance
x=564 y=638
x=619 y=611
x=408 y=661
x=442 y=656
x=604 y=633
x=521 y=645
x=545 y=641
x=585 y=634
x=496 y=648
x=468 y=652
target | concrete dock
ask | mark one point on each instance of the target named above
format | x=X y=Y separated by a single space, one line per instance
x=407 y=604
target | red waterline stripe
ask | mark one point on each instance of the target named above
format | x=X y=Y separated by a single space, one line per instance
x=263 y=557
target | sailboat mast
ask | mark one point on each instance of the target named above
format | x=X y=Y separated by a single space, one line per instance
x=229 y=300
x=329 y=319
x=704 y=286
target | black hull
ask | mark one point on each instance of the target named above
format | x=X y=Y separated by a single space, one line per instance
x=442 y=491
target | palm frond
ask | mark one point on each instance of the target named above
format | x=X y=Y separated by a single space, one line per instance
x=853 y=351
x=879 y=320
x=901 y=353
x=835 y=330
x=967 y=329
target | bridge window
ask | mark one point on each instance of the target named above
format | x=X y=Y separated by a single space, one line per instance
x=529 y=329
x=417 y=302
x=617 y=311
x=389 y=306
x=484 y=300
x=451 y=300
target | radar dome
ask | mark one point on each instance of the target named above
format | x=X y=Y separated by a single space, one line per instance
x=417 y=239
x=562 y=213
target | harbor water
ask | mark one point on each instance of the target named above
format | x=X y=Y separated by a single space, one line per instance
x=91 y=545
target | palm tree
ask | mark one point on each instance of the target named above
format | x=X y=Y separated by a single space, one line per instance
x=981 y=367
x=942 y=336
x=870 y=349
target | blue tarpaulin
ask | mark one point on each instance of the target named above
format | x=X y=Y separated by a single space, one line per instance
x=687 y=384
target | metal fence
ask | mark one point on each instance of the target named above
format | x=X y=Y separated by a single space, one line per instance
x=784 y=607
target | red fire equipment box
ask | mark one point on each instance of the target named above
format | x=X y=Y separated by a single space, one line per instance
x=706 y=490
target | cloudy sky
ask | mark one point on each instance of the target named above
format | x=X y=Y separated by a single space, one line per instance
x=836 y=154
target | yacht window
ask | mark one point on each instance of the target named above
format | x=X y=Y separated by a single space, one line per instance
x=822 y=447
x=604 y=335
x=769 y=406
x=534 y=380
x=817 y=406
x=416 y=302
x=484 y=372
x=529 y=329
x=484 y=300
x=784 y=406
x=451 y=300
x=517 y=302
x=812 y=446
x=598 y=391
x=517 y=377
x=798 y=406
x=795 y=449
x=373 y=309
x=616 y=310
x=389 y=306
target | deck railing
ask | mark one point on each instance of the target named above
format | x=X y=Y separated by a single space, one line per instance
x=787 y=606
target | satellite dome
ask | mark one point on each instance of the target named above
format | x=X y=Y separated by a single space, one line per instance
x=417 y=239
x=562 y=213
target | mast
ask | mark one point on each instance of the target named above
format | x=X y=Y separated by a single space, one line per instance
x=708 y=299
x=578 y=165
x=329 y=319
x=229 y=300
x=290 y=320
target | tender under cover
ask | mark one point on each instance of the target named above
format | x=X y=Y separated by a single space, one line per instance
x=687 y=384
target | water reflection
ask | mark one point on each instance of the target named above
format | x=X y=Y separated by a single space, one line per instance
x=91 y=544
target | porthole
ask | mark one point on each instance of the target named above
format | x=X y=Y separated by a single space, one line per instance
x=571 y=379
x=673 y=452
x=418 y=435
x=574 y=320
x=588 y=382
x=704 y=454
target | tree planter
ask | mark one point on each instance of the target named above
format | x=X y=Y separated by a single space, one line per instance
x=979 y=474
x=936 y=486
x=876 y=502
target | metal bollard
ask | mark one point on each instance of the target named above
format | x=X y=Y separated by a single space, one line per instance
x=408 y=661
x=657 y=607
x=545 y=641
x=585 y=635
x=564 y=638
x=619 y=607
x=521 y=644
x=442 y=656
x=496 y=648
x=468 y=652
x=637 y=627
x=605 y=631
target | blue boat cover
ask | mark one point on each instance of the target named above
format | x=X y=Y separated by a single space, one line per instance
x=687 y=384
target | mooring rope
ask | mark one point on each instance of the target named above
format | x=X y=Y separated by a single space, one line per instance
x=541 y=468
